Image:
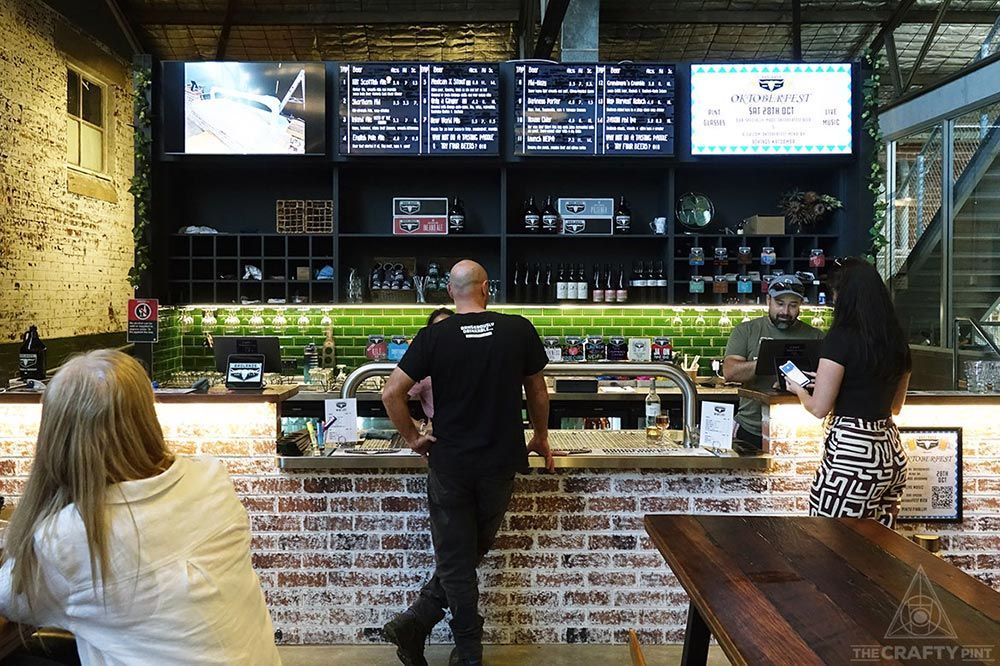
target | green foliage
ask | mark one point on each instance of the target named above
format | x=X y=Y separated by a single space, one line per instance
x=139 y=184
x=876 y=174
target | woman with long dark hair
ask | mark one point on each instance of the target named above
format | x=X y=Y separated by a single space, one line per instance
x=861 y=382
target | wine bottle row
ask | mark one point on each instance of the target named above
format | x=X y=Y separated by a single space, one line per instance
x=569 y=283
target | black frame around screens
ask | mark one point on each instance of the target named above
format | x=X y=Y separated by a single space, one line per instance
x=269 y=346
x=258 y=86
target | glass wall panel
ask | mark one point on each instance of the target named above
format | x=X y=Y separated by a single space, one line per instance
x=915 y=235
x=976 y=285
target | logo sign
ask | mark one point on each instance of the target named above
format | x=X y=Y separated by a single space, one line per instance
x=143 y=320
x=416 y=216
x=771 y=84
x=587 y=216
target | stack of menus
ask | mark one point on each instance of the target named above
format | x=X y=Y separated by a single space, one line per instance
x=419 y=108
x=594 y=109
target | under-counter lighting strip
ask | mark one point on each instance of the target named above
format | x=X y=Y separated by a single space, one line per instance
x=496 y=306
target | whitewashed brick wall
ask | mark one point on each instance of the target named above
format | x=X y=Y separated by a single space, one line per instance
x=64 y=258
x=339 y=553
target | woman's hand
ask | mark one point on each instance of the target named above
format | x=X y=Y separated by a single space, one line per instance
x=797 y=390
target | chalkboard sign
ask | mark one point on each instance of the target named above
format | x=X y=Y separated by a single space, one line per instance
x=419 y=108
x=594 y=109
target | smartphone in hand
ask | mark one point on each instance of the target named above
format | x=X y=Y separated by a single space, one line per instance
x=792 y=373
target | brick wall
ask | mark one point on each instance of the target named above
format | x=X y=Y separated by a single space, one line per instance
x=339 y=553
x=64 y=258
x=694 y=330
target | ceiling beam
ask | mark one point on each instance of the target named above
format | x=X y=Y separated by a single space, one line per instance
x=134 y=42
x=527 y=18
x=265 y=18
x=766 y=16
x=926 y=46
x=555 y=12
x=893 y=62
x=890 y=25
x=796 y=30
x=227 y=26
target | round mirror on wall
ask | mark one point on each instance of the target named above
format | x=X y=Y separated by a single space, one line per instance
x=695 y=210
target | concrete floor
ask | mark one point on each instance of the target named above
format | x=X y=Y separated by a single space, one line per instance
x=496 y=655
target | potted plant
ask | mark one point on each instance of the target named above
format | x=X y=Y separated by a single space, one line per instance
x=803 y=209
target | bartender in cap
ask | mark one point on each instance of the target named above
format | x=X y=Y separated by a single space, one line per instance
x=785 y=296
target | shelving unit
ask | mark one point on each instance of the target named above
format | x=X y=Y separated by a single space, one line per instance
x=236 y=195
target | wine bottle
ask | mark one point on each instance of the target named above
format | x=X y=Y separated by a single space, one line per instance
x=609 y=287
x=597 y=292
x=621 y=293
x=550 y=217
x=571 y=284
x=532 y=219
x=581 y=284
x=550 y=287
x=561 y=285
x=518 y=295
x=661 y=285
x=623 y=216
x=456 y=217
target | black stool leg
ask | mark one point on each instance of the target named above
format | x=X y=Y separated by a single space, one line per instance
x=695 y=639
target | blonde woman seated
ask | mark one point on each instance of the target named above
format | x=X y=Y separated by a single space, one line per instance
x=143 y=556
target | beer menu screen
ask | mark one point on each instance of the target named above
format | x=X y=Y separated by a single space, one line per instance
x=594 y=109
x=419 y=109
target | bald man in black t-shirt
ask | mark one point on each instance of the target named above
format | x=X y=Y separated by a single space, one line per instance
x=478 y=362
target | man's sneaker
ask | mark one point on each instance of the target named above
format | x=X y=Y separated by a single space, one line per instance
x=457 y=660
x=409 y=636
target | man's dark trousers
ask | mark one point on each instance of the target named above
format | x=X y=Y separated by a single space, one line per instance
x=465 y=512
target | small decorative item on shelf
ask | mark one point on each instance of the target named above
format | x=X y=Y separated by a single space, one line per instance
x=289 y=216
x=817 y=258
x=804 y=209
x=318 y=216
x=354 y=288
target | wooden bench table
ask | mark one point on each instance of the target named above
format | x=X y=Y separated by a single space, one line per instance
x=790 y=590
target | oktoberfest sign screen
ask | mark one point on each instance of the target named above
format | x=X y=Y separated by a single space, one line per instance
x=771 y=109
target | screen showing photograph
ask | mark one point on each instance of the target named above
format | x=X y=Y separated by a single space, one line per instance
x=242 y=108
x=771 y=109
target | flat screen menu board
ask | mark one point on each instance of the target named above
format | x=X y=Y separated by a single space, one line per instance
x=419 y=108
x=594 y=109
x=771 y=109
x=252 y=108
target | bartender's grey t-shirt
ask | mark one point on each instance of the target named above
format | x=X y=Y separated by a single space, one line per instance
x=745 y=341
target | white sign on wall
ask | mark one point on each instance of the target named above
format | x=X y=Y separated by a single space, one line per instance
x=771 y=109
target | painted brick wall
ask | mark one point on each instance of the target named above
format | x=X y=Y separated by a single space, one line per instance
x=338 y=553
x=694 y=330
x=64 y=258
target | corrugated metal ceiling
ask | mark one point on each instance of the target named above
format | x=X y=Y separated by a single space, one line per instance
x=488 y=30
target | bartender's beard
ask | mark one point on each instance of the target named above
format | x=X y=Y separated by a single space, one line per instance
x=782 y=323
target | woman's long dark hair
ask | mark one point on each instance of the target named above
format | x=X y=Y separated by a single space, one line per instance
x=437 y=313
x=864 y=307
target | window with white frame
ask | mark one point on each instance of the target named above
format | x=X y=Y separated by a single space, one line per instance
x=85 y=124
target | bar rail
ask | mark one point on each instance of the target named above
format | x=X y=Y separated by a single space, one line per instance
x=689 y=393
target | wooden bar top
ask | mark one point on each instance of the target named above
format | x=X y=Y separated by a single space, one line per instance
x=912 y=397
x=790 y=590
x=215 y=395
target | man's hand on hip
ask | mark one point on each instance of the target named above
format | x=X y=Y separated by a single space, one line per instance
x=422 y=444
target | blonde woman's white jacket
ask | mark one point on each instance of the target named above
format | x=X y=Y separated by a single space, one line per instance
x=182 y=588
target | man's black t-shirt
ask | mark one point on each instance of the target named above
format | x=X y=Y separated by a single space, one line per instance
x=477 y=363
x=862 y=394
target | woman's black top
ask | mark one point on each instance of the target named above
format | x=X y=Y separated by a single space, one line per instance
x=863 y=394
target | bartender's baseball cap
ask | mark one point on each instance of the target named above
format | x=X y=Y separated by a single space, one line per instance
x=786 y=285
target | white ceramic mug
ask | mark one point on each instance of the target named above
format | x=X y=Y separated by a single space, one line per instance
x=659 y=225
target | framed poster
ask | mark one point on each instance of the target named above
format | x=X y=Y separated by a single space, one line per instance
x=934 y=475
